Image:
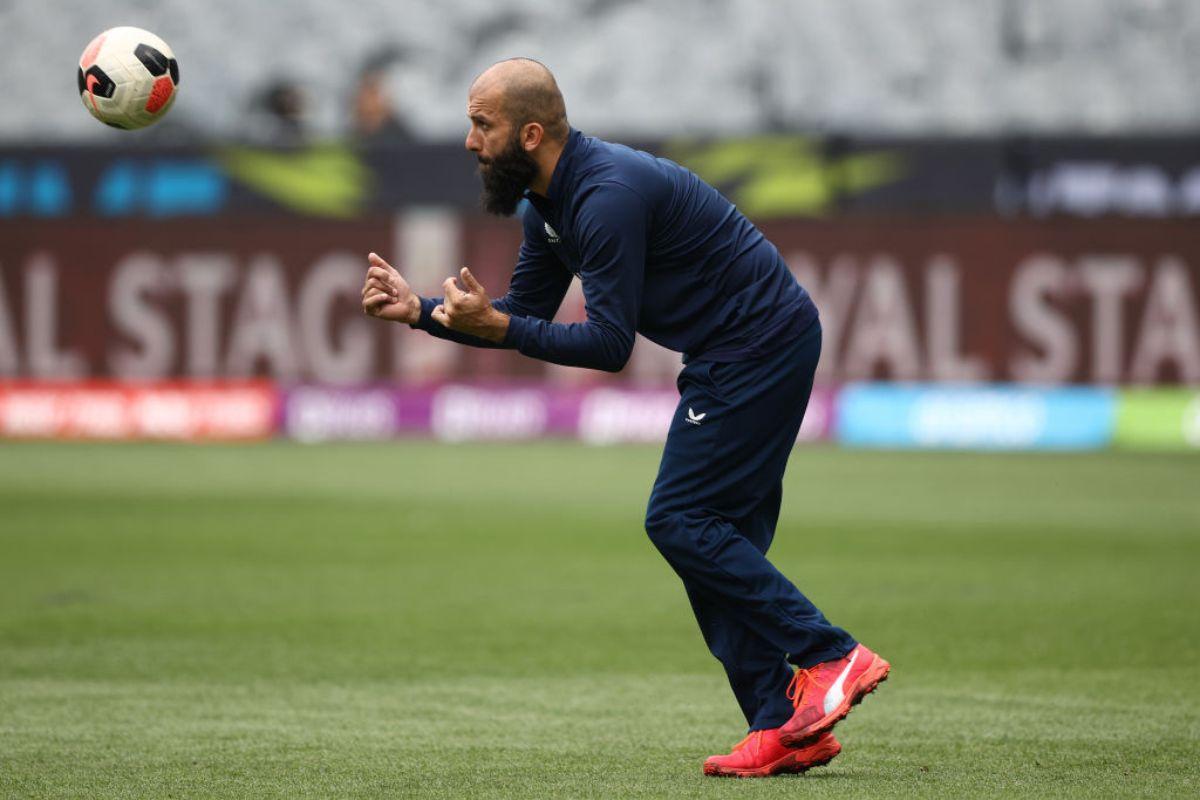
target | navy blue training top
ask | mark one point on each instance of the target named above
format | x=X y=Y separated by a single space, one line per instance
x=658 y=251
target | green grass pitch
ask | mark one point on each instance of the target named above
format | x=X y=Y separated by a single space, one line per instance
x=420 y=620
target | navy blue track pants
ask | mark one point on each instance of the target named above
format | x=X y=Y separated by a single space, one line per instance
x=712 y=515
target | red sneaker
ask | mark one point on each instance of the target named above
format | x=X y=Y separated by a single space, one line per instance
x=824 y=694
x=760 y=754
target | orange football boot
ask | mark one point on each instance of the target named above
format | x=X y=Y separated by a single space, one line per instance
x=760 y=754
x=825 y=693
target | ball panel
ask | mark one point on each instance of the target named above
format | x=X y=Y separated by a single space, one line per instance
x=97 y=82
x=89 y=53
x=128 y=38
x=153 y=60
x=159 y=94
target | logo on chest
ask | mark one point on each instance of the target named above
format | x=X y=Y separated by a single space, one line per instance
x=551 y=234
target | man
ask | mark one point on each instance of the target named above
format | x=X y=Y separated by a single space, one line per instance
x=661 y=253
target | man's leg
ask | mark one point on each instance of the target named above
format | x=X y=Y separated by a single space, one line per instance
x=757 y=670
x=724 y=459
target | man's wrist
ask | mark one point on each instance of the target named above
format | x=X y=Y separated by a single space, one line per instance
x=498 y=326
x=414 y=313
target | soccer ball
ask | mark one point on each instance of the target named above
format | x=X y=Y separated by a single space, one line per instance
x=128 y=77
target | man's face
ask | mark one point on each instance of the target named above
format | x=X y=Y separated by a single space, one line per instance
x=505 y=168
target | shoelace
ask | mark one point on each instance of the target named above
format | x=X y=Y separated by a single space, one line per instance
x=802 y=678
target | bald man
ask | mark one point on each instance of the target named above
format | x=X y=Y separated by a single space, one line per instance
x=661 y=253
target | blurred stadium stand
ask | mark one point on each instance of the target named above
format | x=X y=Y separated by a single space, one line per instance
x=645 y=69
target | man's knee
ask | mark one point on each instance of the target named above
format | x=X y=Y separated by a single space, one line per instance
x=664 y=527
x=688 y=536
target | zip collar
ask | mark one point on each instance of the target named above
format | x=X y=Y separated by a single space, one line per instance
x=562 y=171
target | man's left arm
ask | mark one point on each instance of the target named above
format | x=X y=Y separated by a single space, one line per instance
x=539 y=283
x=611 y=231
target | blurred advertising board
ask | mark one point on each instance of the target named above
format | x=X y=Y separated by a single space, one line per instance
x=98 y=410
x=974 y=418
x=1158 y=419
x=473 y=412
x=962 y=300
x=318 y=414
x=765 y=175
x=984 y=300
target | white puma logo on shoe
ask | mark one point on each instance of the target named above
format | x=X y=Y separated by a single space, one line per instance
x=836 y=694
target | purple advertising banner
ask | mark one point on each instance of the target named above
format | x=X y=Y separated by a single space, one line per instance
x=474 y=412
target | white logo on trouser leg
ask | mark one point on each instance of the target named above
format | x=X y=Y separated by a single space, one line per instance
x=836 y=694
x=695 y=418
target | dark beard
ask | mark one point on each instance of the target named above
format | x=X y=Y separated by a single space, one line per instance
x=506 y=178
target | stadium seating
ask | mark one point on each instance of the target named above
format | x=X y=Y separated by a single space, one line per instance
x=650 y=68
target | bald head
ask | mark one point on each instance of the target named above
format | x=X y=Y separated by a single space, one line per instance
x=526 y=92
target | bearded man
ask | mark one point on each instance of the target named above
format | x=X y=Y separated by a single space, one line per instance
x=661 y=253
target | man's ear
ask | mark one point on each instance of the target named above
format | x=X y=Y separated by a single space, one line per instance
x=531 y=135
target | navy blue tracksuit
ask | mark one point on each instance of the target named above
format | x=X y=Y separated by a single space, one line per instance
x=661 y=253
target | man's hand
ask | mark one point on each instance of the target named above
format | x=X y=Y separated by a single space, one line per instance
x=387 y=295
x=470 y=311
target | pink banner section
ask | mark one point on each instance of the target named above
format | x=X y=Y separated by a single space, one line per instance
x=473 y=412
x=102 y=410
